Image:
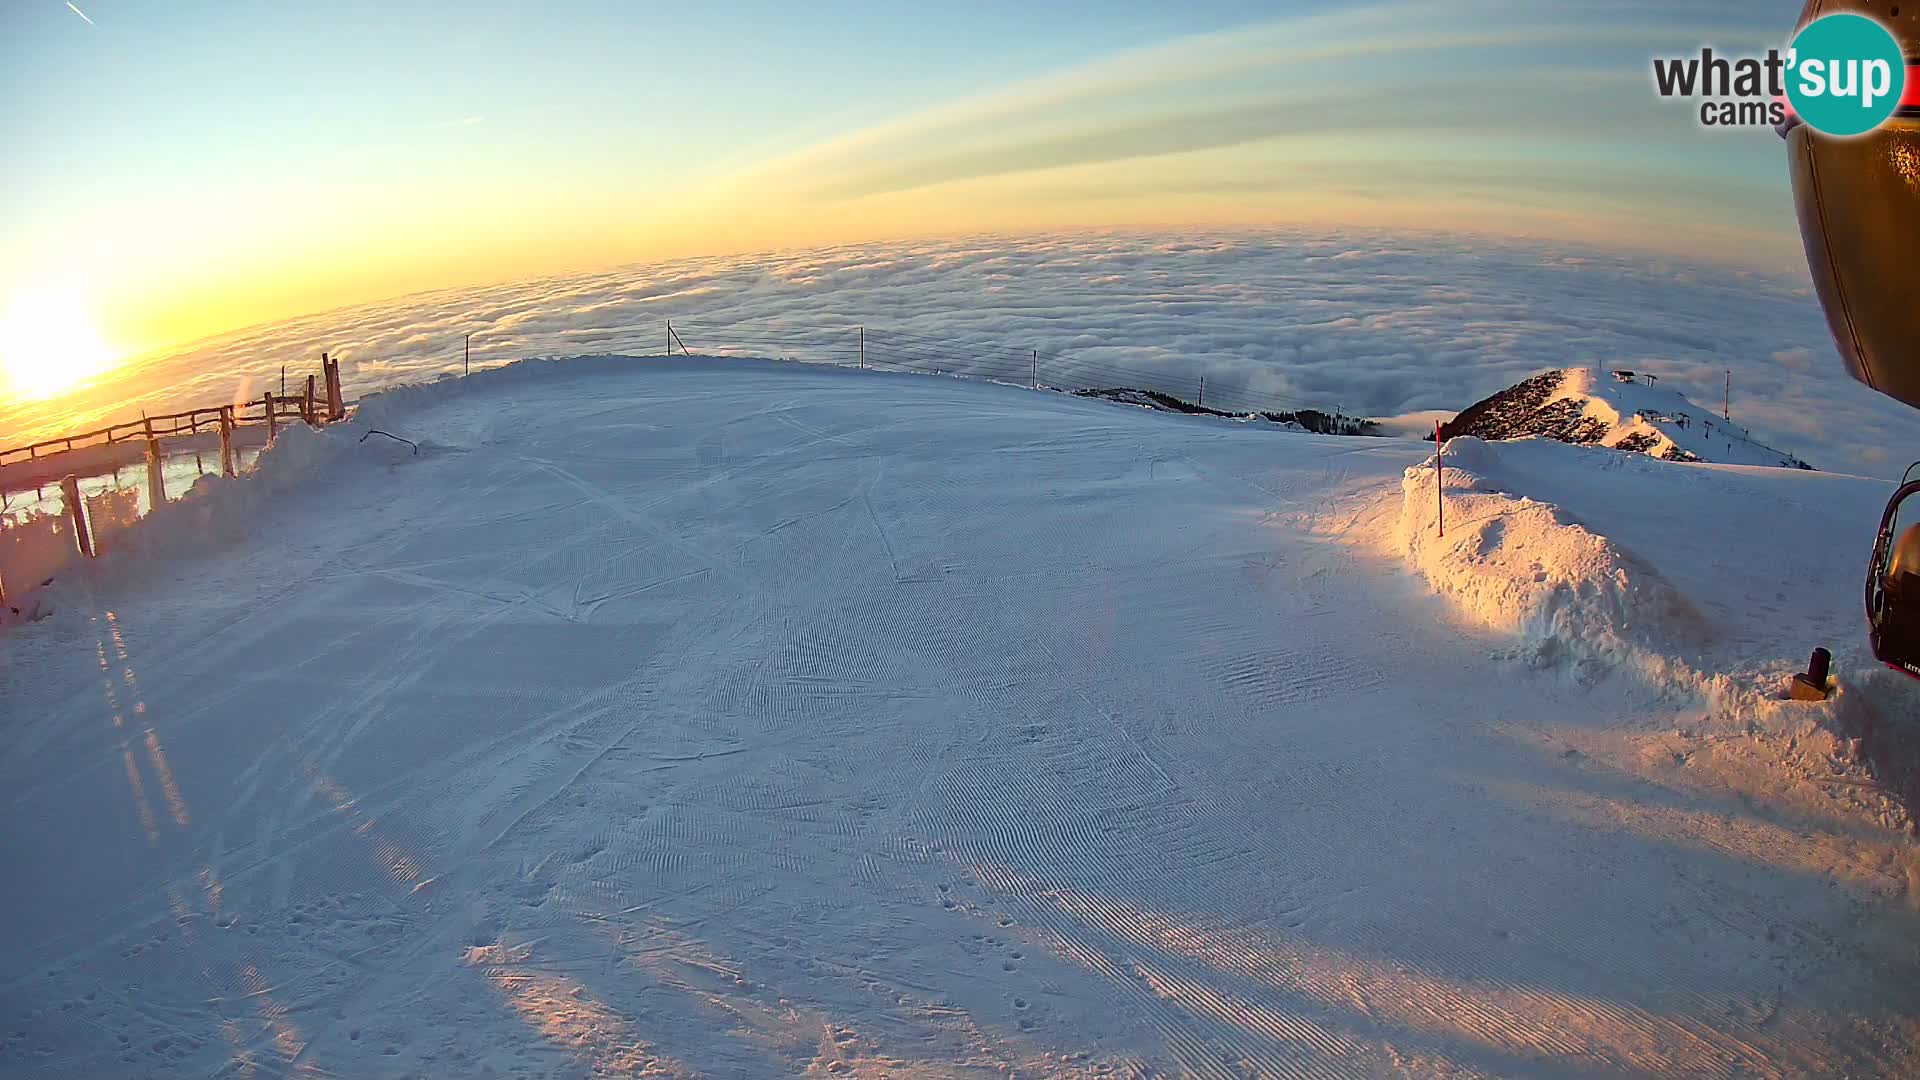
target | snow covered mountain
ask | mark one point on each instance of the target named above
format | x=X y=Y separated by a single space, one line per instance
x=1622 y=411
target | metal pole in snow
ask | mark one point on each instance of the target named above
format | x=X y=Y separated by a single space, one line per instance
x=1726 y=403
x=1035 y=378
x=1439 y=481
x=863 y=348
x=466 y=361
x=1203 y=390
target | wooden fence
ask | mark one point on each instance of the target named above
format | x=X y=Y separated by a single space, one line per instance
x=311 y=407
x=321 y=402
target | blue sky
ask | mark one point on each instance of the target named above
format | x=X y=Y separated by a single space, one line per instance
x=188 y=167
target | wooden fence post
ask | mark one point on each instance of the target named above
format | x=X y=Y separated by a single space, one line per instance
x=308 y=410
x=77 y=514
x=273 y=426
x=226 y=441
x=336 y=403
x=156 y=477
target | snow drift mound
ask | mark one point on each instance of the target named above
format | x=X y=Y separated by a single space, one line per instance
x=1690 y=570
x=1711 y=583
x=1575 y=405
x=219 y=512
x=1526 y=567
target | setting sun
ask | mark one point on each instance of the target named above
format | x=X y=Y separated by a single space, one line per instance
x=49 y=345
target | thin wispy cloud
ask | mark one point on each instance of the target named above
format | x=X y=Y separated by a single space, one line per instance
x=1484 y=88
x=80 y=13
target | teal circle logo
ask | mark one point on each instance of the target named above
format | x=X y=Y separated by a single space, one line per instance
x=1845 y=74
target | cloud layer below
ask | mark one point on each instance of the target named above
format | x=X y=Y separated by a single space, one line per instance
x=1385 y=324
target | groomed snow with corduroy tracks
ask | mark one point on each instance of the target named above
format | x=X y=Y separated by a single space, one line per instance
x=744 y=719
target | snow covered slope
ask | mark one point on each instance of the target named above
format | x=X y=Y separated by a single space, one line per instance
x=1577 y=406
x=740 y=719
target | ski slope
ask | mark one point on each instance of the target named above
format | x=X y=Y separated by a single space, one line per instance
x=739 y=719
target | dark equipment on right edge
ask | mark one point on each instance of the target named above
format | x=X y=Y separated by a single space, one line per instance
x=1858 y=202
x=1893 y=587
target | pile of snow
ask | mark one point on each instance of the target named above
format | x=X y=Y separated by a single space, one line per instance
x=1621 y=411
x=33 y=547
x=1712 y=583
x=1720 y=567
x=214 y=512
x=1526 y=567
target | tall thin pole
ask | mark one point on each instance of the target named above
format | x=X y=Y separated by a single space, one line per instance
x=466 y=359
x=669 y=337
x=1035 y=379
x=1439 y=481
x=863 y=348
x=1726 y=403
x=1203 y=390
x=283 y=380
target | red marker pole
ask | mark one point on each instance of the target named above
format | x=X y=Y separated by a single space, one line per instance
x=1439 y=480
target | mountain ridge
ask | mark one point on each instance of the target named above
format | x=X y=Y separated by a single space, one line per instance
x=1625 y=412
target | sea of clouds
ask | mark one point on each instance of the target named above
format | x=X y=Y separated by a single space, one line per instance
x=1389 y=325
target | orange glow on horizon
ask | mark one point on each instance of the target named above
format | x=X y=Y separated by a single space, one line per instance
x=154 y=320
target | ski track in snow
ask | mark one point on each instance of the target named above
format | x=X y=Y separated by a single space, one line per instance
x=745 y=720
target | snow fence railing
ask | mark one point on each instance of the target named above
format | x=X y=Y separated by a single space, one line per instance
x=35 y=547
